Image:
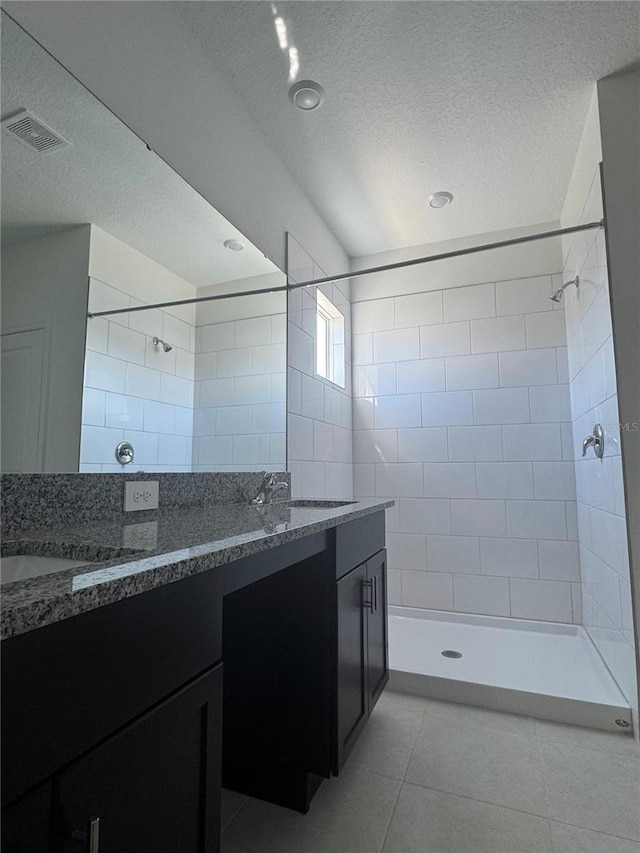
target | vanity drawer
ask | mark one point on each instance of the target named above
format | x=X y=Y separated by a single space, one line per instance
x=358 y=540
x=69 y=685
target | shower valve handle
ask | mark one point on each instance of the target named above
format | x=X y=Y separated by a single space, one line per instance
x=596 y=440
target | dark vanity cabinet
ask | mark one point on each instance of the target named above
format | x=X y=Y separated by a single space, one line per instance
x=121 y=725
x=362 y=668
x=112 y=727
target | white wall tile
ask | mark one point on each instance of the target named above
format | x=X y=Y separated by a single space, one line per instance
x=406 y=551
x=524 y=296
x=447 y=408
x=216 y=392
x=417 y=376
x=447 y=339
x=528 y=367
x=498 y=334
x=158 y=417
x=398 y=411
x=363 y=408
x=501 y=406
x=176 y=390
x=364 y=480
x=183 y=421
x=400 y=345
x=424 y=516
x=554 y=481
x=93 y=407
x=185 y=364
x=475 y=444
x=422 y=445
x=278 y=388
x=403 y=480
x=541 y=599
x=362 y=348
x=550 y=403
x=250 y=449
x=269 y=417
x=235 y=362
x=535 y=442
x=206 y=365
x=156 y=358
x=450 y=480
x=97 y=334
x=509 y=557
x=394 y=586
x=220 y=336
x=418 y=309
x=509 y=480
x=103 y=297
x=250 y=389
x=145 y=446
x=176 y=332
x=481 y=594
x=559 y=560
x=300 y=438
x=467 y=372
x=172 y=450
x=478 y=518
x=105 y=373
x=122 y=412
x=379 y=445
x=271 y=358
x=453 y=554
x=536 y=520
x=212 y=449
x=469 y=303
x=373 y=380
x=142 y=382
x=546 y=329
x=253 y=332
x=427 y=589
x=98 y=443
x=233 y=420
x=374 y=316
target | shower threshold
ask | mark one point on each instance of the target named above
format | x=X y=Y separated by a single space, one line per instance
x=547 y=670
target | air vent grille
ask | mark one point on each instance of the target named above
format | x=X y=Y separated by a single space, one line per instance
x=35 y=133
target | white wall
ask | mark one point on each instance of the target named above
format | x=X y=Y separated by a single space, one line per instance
x=44 y=285
x=240 y=390
x=619 y=103
x=319 y=436
x=133 y=390
x=460 y=414
x=223 y=155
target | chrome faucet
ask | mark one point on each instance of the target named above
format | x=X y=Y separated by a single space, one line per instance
x=596 y=440
x=268 y=486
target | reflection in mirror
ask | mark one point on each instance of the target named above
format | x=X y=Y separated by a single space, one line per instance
x=101 y=224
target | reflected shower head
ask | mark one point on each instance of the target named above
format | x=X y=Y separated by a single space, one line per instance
x=557 y=296
x=165 y=346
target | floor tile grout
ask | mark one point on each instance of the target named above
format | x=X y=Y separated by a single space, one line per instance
x=598 y=831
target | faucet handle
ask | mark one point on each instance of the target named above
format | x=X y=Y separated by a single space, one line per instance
x=596 y=440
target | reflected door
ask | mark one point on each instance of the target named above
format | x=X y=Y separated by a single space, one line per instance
x=21 y=402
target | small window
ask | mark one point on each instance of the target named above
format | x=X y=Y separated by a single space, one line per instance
x=329 y=341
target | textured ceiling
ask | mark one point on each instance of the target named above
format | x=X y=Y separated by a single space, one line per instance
x=108 y=177
x=486 y=100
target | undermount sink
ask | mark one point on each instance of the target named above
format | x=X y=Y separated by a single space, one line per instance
x=19 y=567
x=302 y=504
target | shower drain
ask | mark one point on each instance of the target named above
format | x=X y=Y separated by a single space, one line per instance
x=451 y=653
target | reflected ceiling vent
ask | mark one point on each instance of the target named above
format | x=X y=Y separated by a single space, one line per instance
x=34 y=133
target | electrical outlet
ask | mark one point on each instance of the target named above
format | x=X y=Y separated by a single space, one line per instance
x=142 y=494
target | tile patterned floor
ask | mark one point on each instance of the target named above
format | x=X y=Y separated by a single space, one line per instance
x=432 y=777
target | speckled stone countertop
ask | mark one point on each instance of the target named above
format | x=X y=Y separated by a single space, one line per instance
x=129 y=557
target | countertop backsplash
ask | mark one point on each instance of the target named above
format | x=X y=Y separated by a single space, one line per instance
x=44 y=500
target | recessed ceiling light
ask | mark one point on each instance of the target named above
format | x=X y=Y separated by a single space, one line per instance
x=440 y=199
x=233 y=245
x=307 y=95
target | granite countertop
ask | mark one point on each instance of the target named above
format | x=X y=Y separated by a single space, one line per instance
x=129 y=557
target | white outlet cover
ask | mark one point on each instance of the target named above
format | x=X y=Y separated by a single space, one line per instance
x=141 y=494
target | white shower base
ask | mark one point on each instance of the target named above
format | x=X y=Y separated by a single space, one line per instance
x=546 y=670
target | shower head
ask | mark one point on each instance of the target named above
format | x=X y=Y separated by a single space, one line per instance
x=557 y=296
x=165 y=346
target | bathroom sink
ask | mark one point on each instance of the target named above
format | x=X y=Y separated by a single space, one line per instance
x=19 y=567
x=319 y=504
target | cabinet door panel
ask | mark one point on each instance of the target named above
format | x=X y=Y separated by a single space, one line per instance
x=155 y=786
x=352 y=643
x=377 y=663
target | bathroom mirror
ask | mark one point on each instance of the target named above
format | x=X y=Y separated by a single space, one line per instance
x=94 y=221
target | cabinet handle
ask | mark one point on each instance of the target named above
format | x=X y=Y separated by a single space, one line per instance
x=94 y=835
x=368 y=584
x=375 y=592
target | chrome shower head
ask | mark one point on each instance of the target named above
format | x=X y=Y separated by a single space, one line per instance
x=557 y=296
x=165 y=346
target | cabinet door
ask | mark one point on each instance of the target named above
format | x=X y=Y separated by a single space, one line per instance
x=25 y=824
x=352 y=704
x=155 y=786
x=377 y=655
